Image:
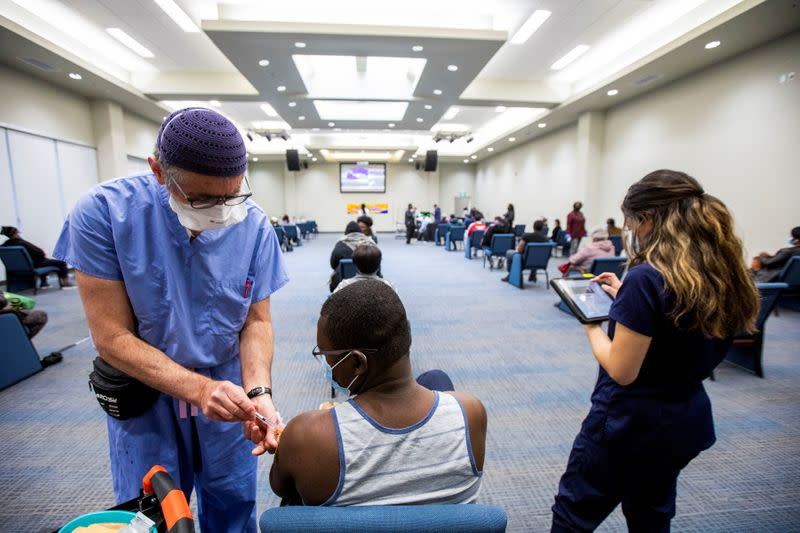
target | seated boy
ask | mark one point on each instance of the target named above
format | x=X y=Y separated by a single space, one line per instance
x=367 y=260
x=394 y=442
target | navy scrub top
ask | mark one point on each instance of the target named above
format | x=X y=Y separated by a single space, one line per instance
x=666 y=407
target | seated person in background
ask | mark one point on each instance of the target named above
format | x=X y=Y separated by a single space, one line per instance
x=365 y=223
x=343 y=249
x=38 y=256
x=453 y=220
x=599 y=247
x=32 y=320
x=285 y=220
x=499 y=226
x=367 y=260
x=477 y=224
x=538 y=235
x=612 y=228
x=545 y=227
x=557 y=230
x=767 y=267
x=395 y=442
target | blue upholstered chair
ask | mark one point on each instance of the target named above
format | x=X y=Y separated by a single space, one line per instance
x=501 y=243
x=440 y=233
x=747 y=350
x=473 y=243
x=292 y=233
x=562 y=242
x=535 y=257
x=456 y=518
x=519 y=229
x=346 y=269
x=791 y=276
x=616 y=240
x=609 y=264
x=304 y=228
x=282 y=241
x=454 y=236
x=18 y=355
x=20 y=273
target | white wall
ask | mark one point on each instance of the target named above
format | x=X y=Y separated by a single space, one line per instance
x=315 y=194
x=455 y=179
x=29 y=104
x=140 y=135
x=539 y=178
x=266 y=179
x=734 y=127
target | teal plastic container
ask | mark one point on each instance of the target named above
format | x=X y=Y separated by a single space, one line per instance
x=101 y=517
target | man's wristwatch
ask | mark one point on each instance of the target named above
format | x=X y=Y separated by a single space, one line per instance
x=258 y=391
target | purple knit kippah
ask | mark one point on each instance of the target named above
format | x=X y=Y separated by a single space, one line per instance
x=203 y=141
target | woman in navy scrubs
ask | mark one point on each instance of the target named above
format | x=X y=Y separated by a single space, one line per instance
x=686 y=294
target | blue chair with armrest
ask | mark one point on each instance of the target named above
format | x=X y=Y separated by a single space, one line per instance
x=535 y=257
x=473 y=243
x=608 y=264
x=616 y=240
x=790 y=298
x=20 y=272
x=451 y=518
x=18 y=355
x=519 y=230
x=747 y=350
x=439 y=235
x=346 y=269
x=501 y=243
x=282 y=240
x=454 y=236
x=293 y=233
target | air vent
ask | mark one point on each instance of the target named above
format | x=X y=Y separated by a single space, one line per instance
x=41 y=65
x=648 y=79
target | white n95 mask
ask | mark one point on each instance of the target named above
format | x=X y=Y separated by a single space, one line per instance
x=215 y=217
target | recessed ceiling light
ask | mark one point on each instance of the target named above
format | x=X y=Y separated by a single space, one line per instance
x=130 y=42
x=314 y=159
x=337 y=129
x=391 y=124
x=452 y=68
x=712 y=44
x=570 y=56
x=331 y=124
x=452 y=112
x=314 y=129
x=281 y=88
x=473 y=156
x=419 y=119
x=500 y=108
x=75 y=76
x=428 y=106
x=542 y=125
x=178 y=15
x=490 y=149
x=301 y=117
x=292 y=104
x=437 y=92
x=299 y=44
x=215 y=103
x=410 y=160
x=530 y=26
x=512 y=139
x=255 y=159
x=417 y=48
x=466 y=161
x=263 y=63
x=612 y=92
x=269 y=110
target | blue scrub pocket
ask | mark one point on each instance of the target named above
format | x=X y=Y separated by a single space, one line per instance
x=228 y=310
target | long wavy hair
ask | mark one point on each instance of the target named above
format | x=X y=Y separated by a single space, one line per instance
x=693 y=245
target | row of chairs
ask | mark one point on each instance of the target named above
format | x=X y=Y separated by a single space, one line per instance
x=295 y=233
x=20 y=272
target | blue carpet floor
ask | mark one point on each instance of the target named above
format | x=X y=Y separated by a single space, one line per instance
x=528 y=362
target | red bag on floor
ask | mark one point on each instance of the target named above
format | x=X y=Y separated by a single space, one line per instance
x=564 y=268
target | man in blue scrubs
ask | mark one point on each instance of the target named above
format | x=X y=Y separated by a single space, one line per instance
x=175 y=269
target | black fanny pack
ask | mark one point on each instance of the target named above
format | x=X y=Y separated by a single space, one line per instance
x=120 y=395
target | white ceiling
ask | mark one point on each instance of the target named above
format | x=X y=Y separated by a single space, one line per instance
x=221 y=62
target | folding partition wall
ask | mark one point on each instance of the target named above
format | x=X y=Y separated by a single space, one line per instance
x=40 y=180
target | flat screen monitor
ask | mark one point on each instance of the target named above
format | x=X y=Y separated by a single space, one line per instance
x=362 y=177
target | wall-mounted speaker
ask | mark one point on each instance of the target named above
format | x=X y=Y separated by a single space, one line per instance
x=431 y=160
x=292 y=160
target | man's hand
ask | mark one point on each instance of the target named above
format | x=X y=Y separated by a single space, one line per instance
x=609 y=282
x=223 y=401
x=264 y=437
